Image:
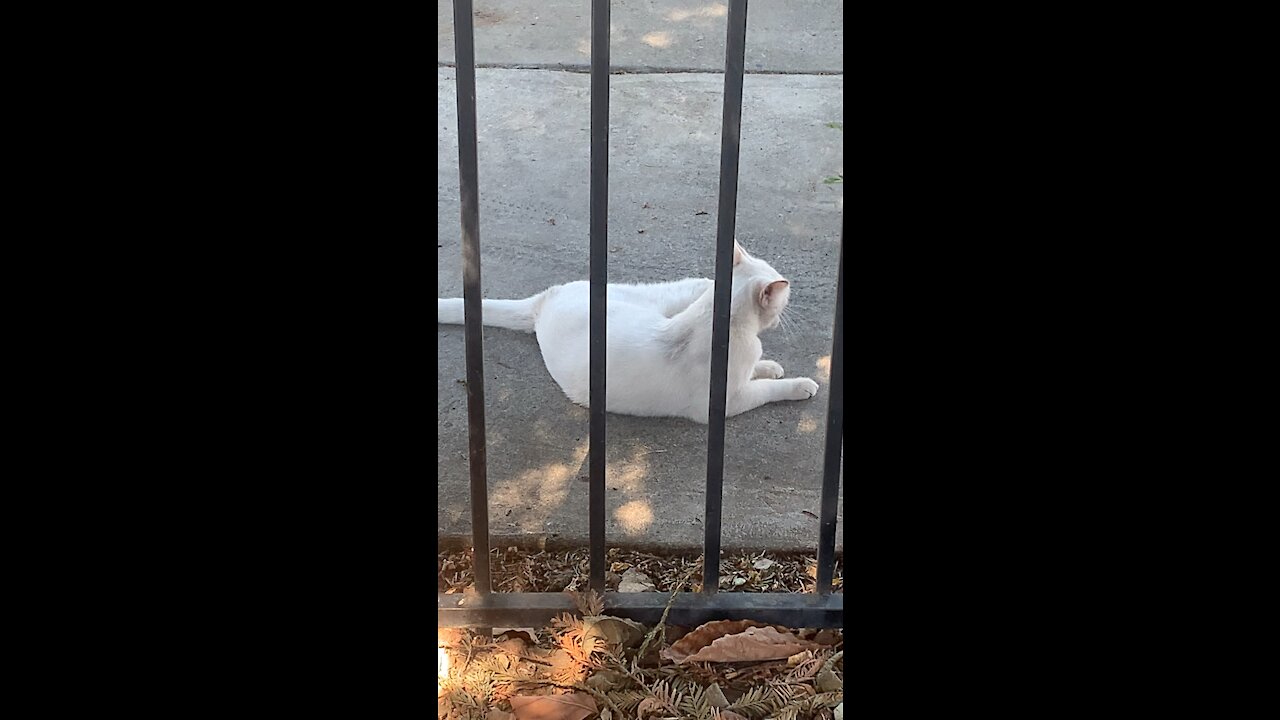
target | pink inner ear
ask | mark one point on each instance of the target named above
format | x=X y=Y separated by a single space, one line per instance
x=772 y=289
x=737 y=252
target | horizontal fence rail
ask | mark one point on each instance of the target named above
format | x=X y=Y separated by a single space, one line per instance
x=485 y=609
x=527 y=609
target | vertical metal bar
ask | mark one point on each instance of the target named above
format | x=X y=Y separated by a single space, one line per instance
x=726 y=222
x=835 y=440
x=469 y=183
x=599 y=277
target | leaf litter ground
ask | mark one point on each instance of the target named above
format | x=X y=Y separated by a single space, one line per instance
x=589 y=665
x=515 y=570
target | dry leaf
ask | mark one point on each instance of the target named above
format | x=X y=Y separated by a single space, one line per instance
x=762 y=564
x=606 y=680
x=800 y=657
x=730 y=715
x=513 y=646
x=614 y=630
x=650 y=706
x=529 y=634
x=752 y=645
x=828 y=682
x=840 y=711
x=704 y=635
x=828 y=637
x=635 y=581
x=715 y=696
x=577 y=706
x=563 y=665
x=806 y=668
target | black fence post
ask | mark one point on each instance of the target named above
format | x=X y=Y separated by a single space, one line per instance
x=469 y=184
x=835 y=440
x=599 y=279
x=726 y=222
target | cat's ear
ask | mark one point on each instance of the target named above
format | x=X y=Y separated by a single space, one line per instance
x=737 y=252
x=770 y=293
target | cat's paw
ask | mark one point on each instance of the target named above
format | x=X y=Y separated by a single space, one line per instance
x=767 y=369
x=803 y=388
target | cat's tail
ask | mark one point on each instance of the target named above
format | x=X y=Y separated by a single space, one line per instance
x=510 y=314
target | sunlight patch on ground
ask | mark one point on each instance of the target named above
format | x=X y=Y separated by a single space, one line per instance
x=543 y=490
x=713 y=10
x=635 y=517
x=657 y=39
x=630 y=477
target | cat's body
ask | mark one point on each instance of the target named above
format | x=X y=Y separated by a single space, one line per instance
x=658 y=359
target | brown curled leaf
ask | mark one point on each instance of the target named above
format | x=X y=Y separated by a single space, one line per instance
x=577 y=706
x=751 y=645
x=704 y=635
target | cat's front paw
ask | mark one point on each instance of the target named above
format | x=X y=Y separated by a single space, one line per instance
x=803 y=388
x=767 y=369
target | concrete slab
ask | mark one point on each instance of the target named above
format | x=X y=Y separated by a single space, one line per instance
x=796 y=36
x=665 y=154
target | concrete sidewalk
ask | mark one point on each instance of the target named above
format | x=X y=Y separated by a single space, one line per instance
x=664 y=169
x=796 y=36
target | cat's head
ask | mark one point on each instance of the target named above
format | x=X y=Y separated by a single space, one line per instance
x=758 y=287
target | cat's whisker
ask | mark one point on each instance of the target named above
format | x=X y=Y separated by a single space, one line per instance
x=782 y=320
x=799 y=319
x=788 y=332
x=802 y=322
x=787 y=323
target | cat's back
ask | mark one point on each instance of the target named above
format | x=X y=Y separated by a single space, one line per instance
x=564 y=324
x=632 y=304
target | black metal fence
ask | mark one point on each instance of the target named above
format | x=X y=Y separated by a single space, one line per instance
x=822 y=608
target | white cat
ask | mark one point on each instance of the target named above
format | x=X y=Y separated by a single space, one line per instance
x=658 y=360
